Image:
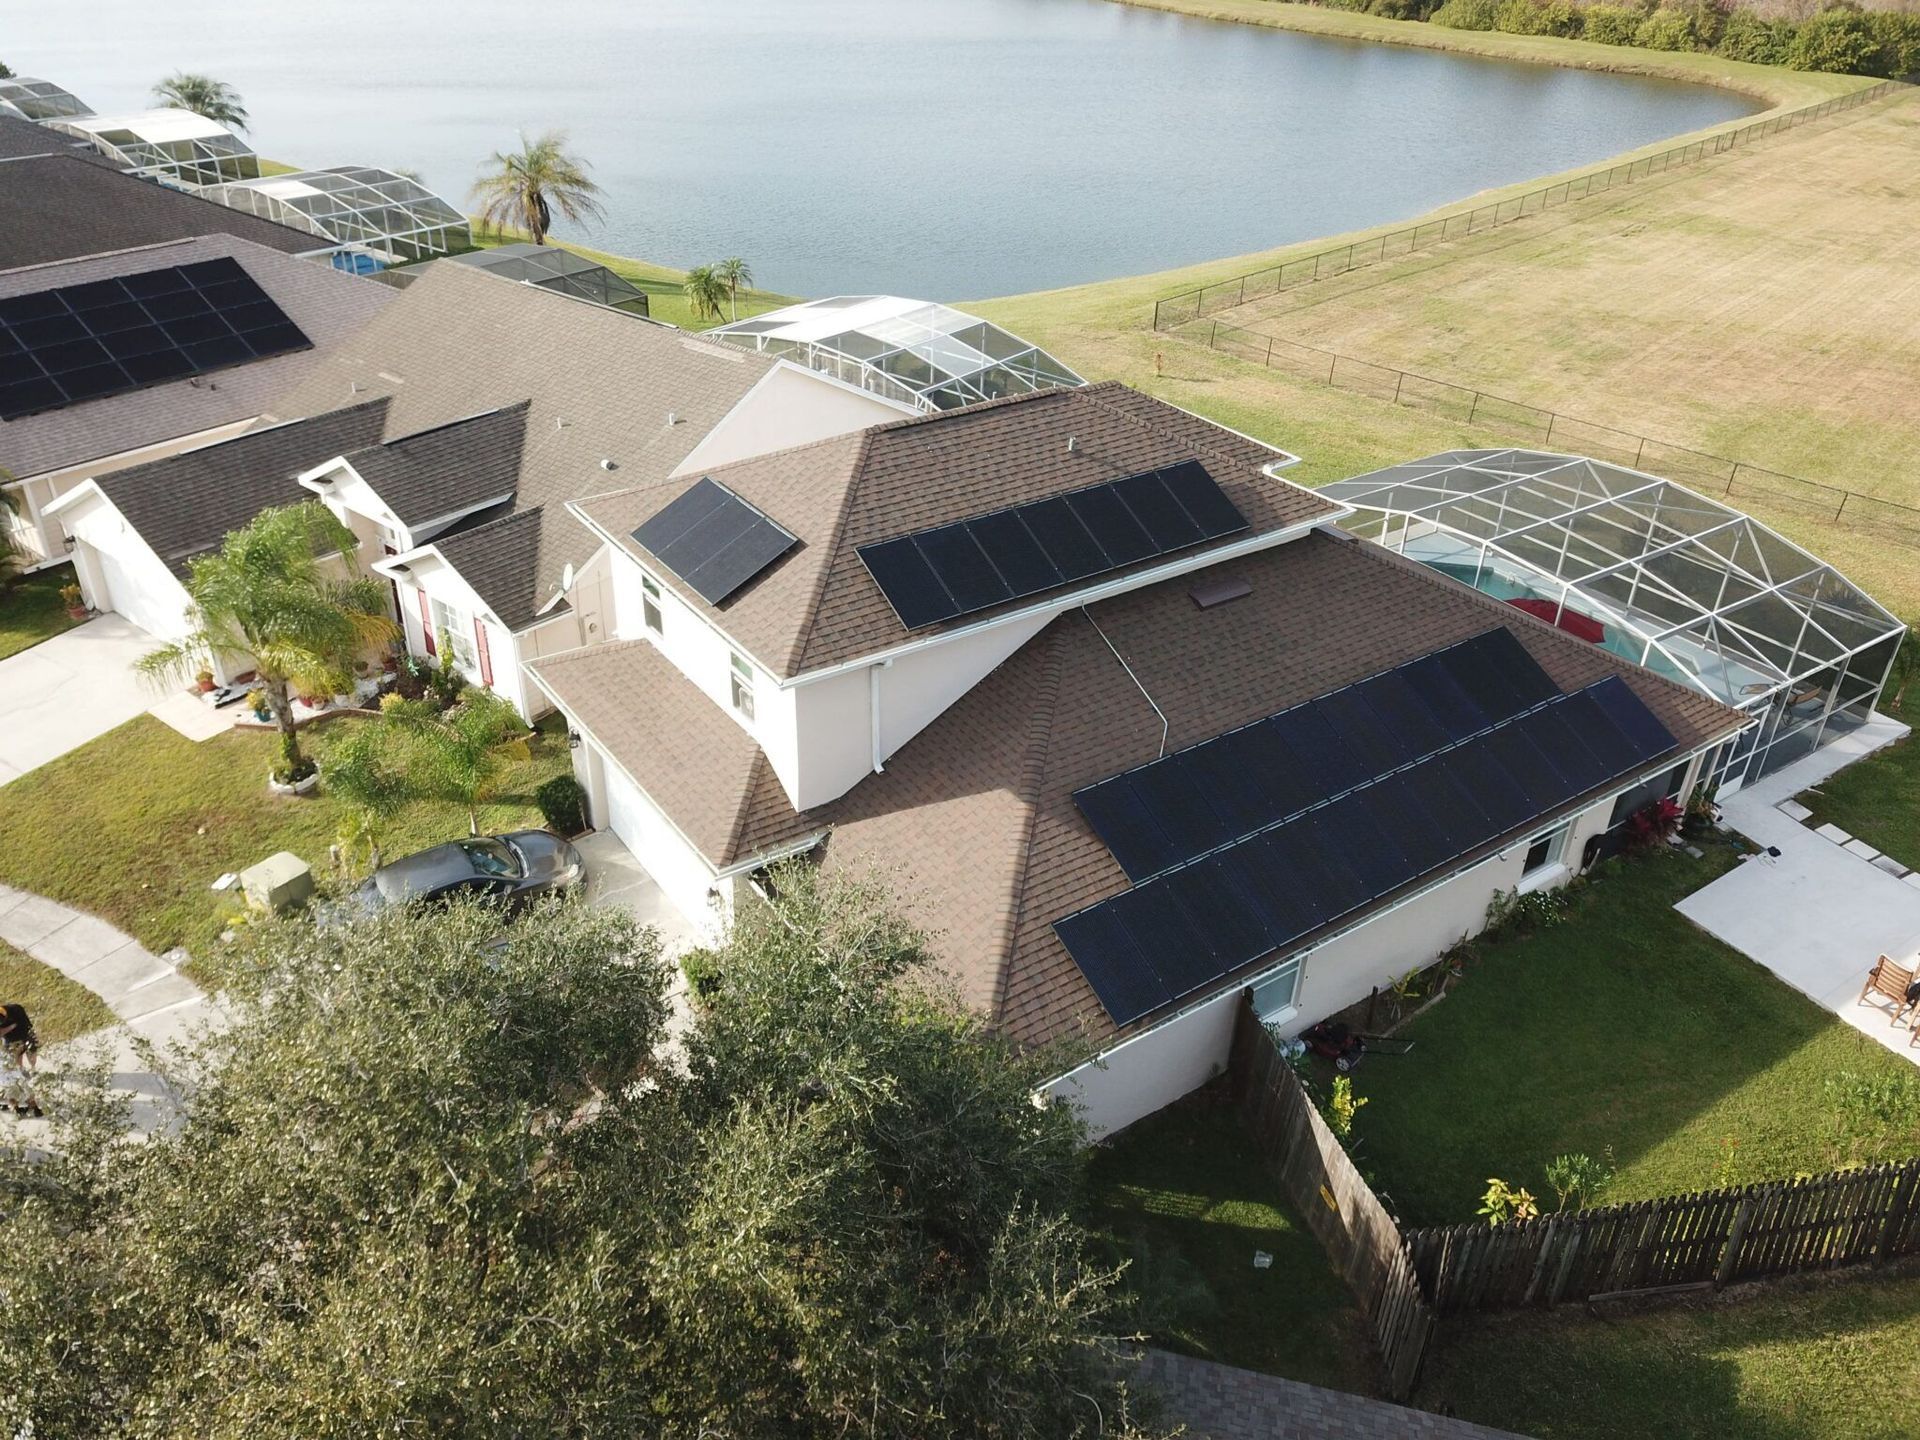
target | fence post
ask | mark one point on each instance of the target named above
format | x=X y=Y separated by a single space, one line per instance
x=1638 y=453
x=1156 y=315
x=1845 y=496
x=1551 y=417
x=1403 y=380
x=1473 y=409
x=1896 y=1213
x=1736 y=1238
x=1213 y=337
x=1270 y=352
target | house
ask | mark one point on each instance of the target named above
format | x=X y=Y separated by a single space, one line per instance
x=505 y=402
x=128 y=356
x=1127 y=721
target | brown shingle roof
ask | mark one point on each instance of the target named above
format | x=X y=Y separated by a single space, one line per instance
x=974 y=821
x=448 y=469
x=819 y=606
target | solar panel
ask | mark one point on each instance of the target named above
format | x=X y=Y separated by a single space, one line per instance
x=1178 y=930
x=974 y=564
x=106 y=337
x=713 y=540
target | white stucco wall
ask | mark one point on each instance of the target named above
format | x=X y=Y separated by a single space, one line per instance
x=790 y=406
x=1151 y=1071
x=122 y=573
x=683 y=875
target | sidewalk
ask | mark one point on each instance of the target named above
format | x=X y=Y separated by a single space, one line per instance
x=152 y=1000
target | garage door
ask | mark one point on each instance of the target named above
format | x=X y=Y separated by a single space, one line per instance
x=682 y=875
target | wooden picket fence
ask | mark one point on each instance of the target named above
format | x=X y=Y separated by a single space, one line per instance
x=1359 y=1236
x=1700 y=1241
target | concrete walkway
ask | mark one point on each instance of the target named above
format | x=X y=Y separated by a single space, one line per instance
x=152 y=1000
x=1820 y=914
x=61 y=693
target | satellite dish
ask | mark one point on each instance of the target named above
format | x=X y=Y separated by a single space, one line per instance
x=566 y=577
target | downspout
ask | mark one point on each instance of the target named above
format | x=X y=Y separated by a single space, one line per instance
x=873 y=695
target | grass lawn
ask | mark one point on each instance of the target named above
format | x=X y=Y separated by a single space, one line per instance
x=1878 y=798
x=1622 y=1027
x=61 y=1009
x=135 y=825
x=666 y=299
x=1183 y=1194
x=31 y=609
x=1817 y=1358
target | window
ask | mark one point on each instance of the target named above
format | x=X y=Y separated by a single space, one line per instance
x=1274 y=993
x=742 y=685
x=459 y=635
x=650 y=602
x=1546 y=850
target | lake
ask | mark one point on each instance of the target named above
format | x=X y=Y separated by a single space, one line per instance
x=941 y=148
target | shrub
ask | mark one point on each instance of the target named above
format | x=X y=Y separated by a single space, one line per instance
x=293 y=767
x=1538 y=17
x=702 y=969
x=1611 y=24
x=1401 y=9
x=1758 y=42
x=1579 y=1180
x=1503 y=1202
x=563 y=805
x=1838 y=41
x=1467 y=14
x=1667 y=30
x=1653 y=824
x=1897 y=36
x=1342 y=1105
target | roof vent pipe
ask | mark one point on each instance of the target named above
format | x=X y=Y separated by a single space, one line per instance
x=1073 y=443
x=673 y=418
x=609 y=464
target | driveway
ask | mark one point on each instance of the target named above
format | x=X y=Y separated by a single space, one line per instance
x=59 y=694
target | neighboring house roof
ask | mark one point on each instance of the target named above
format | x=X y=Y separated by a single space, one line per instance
x=328 y=306
x=820 y=606
x=973 y=821
x=186 y=504
x=23 y=137
x=499 y=559
x=449 y=469
x=59 y=206
x=600 y=386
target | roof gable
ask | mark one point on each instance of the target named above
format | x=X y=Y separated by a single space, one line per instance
x=447 y=470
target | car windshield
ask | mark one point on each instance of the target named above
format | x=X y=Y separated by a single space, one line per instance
x=492 y=857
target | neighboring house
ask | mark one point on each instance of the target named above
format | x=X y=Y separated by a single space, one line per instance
x=508 y=401
x=951 y=650
x=177 y=146
x=137 y=530
x=22 y=137
x=120 y=379
x=60 y=204
x=389 y=217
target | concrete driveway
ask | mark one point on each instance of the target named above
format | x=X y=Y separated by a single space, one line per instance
x=62 y=692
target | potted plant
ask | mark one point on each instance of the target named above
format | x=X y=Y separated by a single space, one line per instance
x=257 y=702
x=295 y=774
x=75 y=599
x=203 y=680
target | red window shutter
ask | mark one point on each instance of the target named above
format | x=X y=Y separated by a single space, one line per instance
x=426 y=621
x=486 y=660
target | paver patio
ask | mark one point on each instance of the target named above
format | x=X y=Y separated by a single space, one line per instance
x=1820 y=914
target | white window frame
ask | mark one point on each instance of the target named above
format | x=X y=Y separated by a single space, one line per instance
x=740 y=677
x=1268 y=1001
x=650 y=615
x=1550 y=869
x=449 y=621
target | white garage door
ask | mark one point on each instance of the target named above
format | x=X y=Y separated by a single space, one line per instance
x=682 y=875
x=127 y=597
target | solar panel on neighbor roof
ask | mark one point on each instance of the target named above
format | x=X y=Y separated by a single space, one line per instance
x=713 y=540
x=1169 y=810
x=1183 y=928
x=952 y=570
x=105 y=337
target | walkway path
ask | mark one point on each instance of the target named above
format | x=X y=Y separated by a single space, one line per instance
x=1219 y=1402
x=151 y=998
x=1819 y=915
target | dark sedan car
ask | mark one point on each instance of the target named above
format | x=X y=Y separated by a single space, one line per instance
x=511 y=868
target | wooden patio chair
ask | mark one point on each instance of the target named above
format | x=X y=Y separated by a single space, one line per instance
x=1889 y=982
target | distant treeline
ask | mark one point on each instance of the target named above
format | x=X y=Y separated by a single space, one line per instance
x=1842 y=38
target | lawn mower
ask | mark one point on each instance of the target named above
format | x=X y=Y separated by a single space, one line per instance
x=1347 y=1047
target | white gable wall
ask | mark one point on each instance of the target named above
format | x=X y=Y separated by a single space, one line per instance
x=790 y=406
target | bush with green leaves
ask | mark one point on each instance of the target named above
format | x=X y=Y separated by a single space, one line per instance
x=1611 y=24
x=1579 y=1181
x=563 y=804
x=1466 y=15
x=444 y=1173
x=1840 y=41
x=1896 y=33
x=1538 y=17
x=1667 y=30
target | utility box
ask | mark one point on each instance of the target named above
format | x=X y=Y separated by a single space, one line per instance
x=278 y=882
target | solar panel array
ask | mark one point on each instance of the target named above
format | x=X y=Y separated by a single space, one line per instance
x=1185 y=927
x=1172 y=809
x=952 y=570
x=713 y=540
x=106 y=337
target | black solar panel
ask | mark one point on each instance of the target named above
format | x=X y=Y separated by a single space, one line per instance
x=713 y=540
x=953 y=570
x=1261 y=773
x=1180 y=930
x=106 y=337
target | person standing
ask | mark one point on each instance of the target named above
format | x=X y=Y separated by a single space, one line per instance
x=17 y=1034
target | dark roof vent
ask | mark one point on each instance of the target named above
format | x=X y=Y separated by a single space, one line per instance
x=1218 y=589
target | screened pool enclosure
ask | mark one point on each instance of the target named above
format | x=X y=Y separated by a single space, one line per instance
x=553 y=268
x=1655 y=572
x=931 y=357
x=25 y=98
x=391 y=216
x=172 y=145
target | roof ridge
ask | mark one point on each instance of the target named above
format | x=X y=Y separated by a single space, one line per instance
x=454 y=423
x=1052 y=392
x=1206 y=446
x=1033 y=775
x=797 y=651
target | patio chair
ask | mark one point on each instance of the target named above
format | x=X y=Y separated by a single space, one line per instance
x=1889 y=982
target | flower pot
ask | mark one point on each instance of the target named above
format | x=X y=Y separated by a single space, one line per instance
x=205 y=685
x=294 y=787
x=76 y=612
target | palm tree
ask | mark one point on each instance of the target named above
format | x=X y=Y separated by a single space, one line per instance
x=361 y=777
x=203 y=95
x=524 y=188
x=460 y=754
x=707 y=291
x=267 y=591
x=736 y=275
